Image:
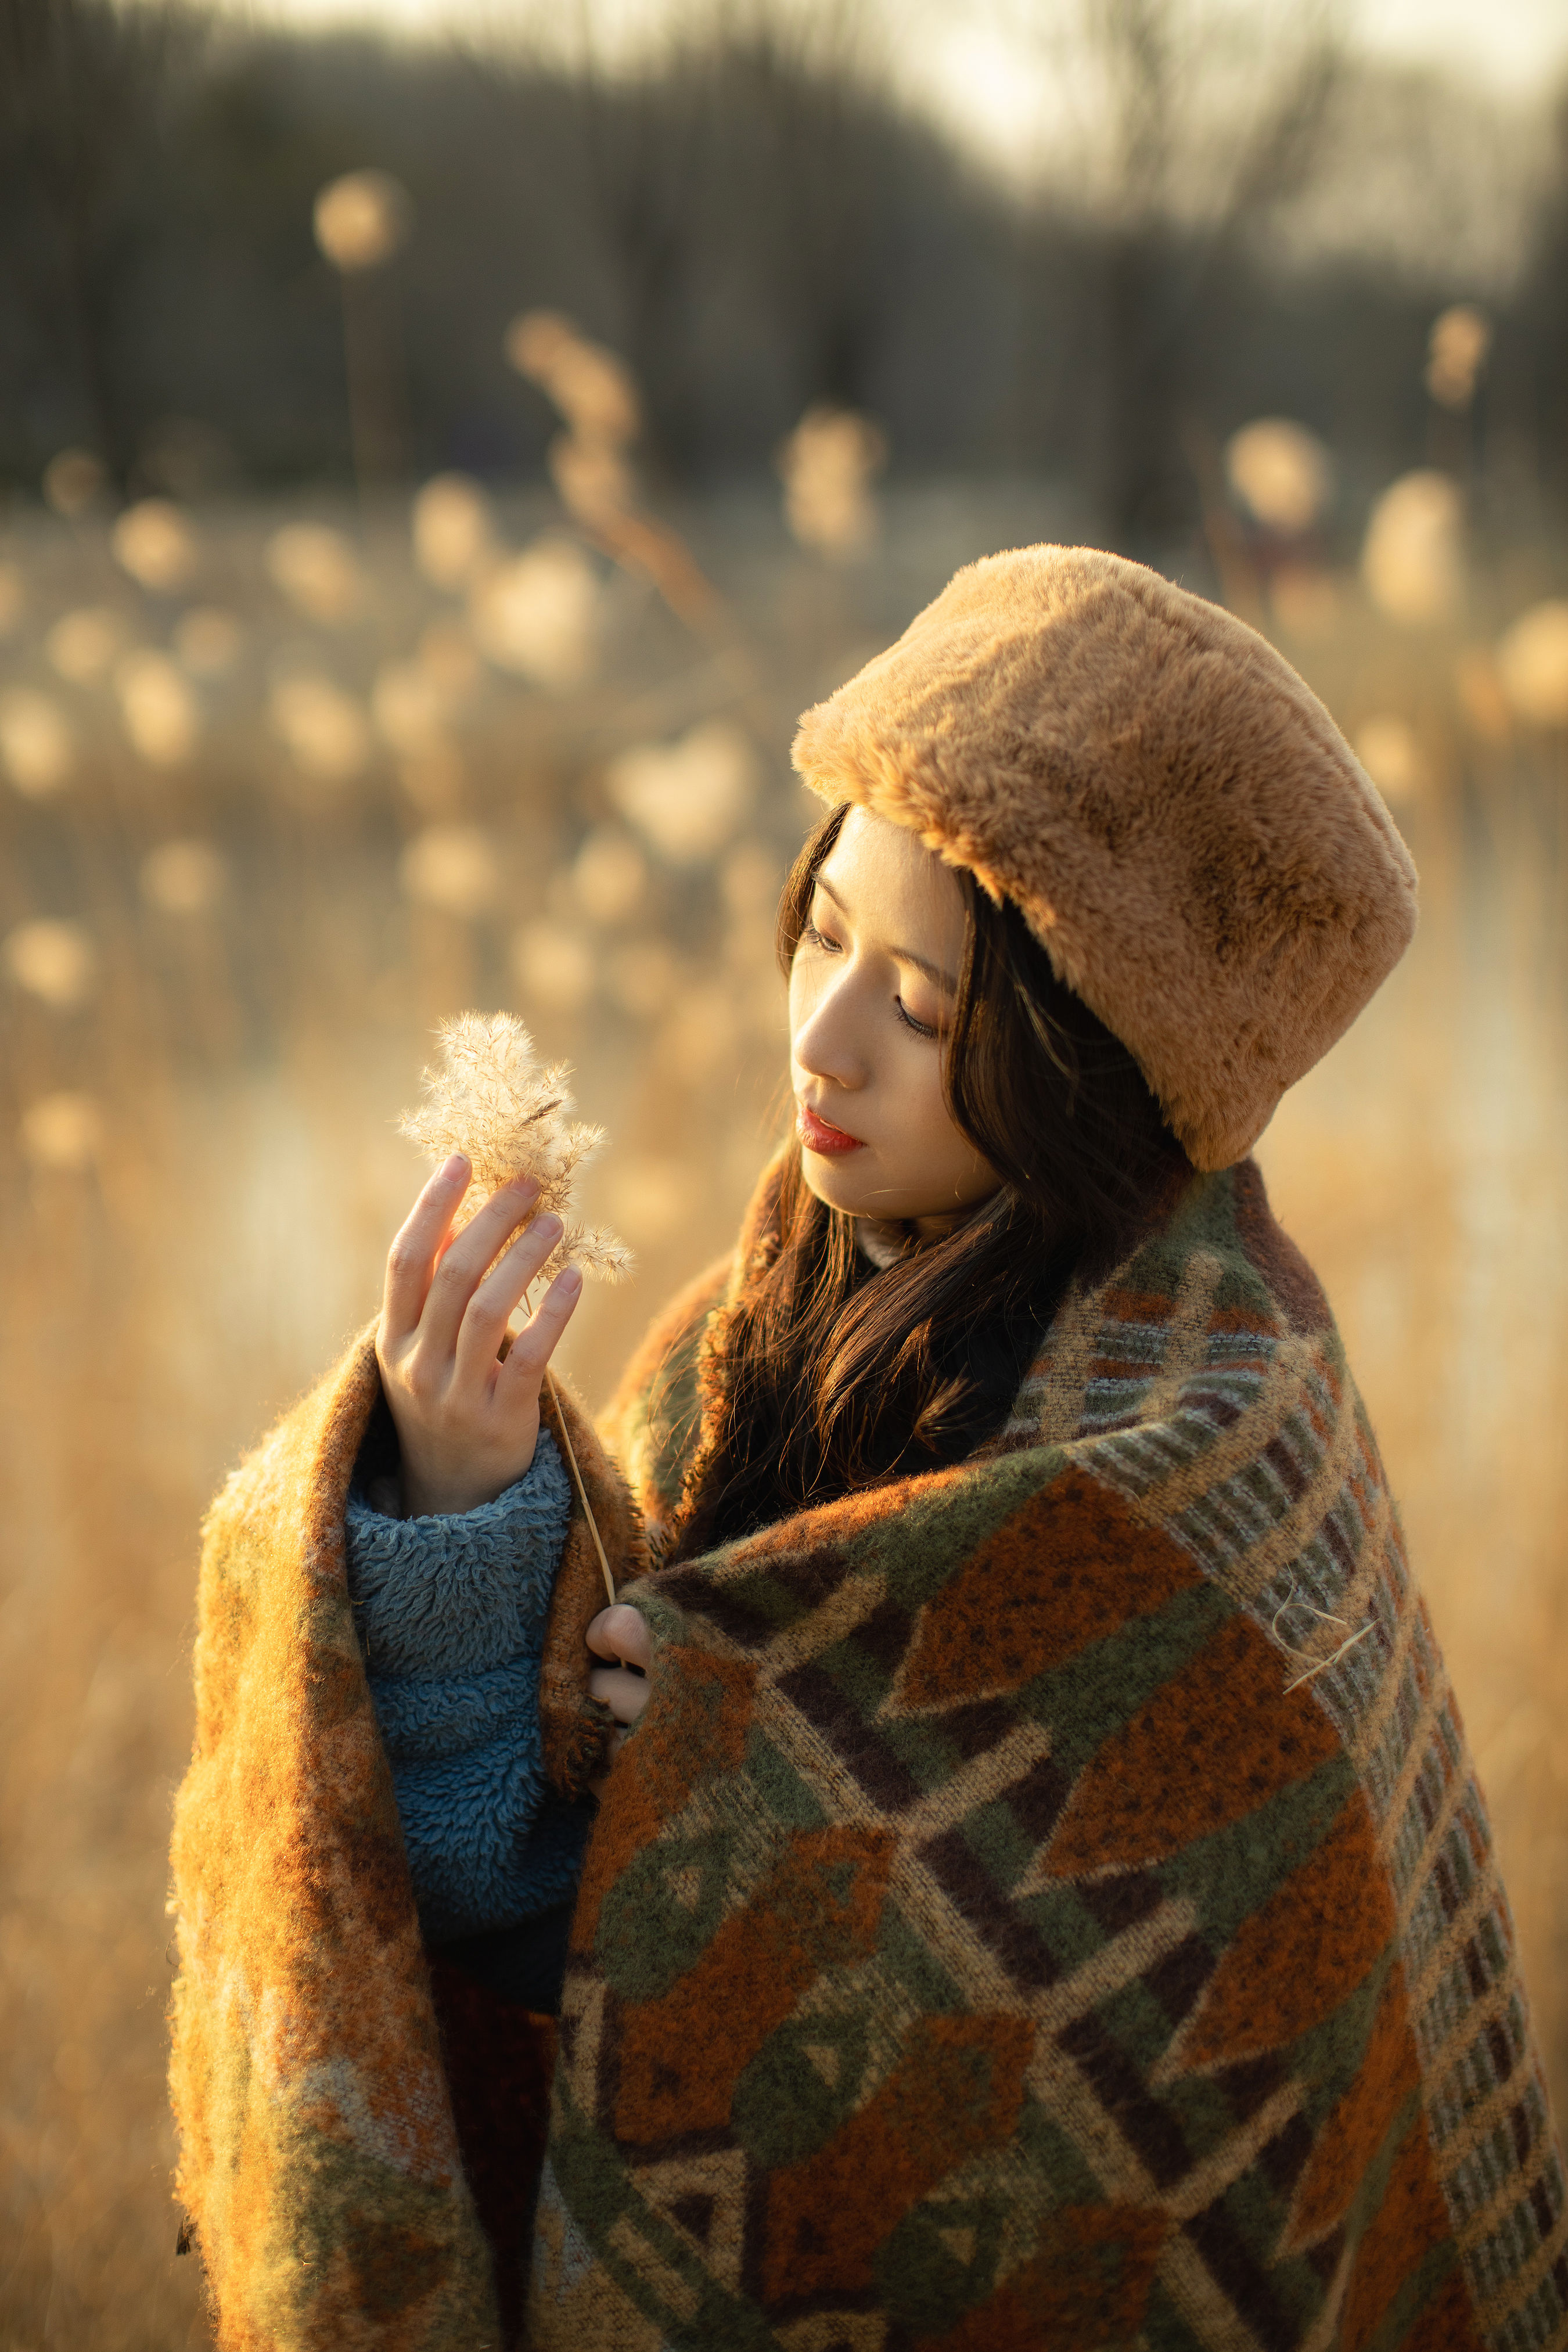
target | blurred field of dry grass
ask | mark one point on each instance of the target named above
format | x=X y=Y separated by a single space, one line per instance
x=255 y=929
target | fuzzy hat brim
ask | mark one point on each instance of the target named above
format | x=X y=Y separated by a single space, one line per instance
x=1184 y=827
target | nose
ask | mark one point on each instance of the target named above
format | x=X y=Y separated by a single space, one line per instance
x=825 y=1042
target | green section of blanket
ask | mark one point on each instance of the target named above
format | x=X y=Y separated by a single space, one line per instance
x=1021 y=1917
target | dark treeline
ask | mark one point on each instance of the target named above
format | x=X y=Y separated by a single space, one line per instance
x=748 y=218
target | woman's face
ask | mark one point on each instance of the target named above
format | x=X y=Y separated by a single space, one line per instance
x=871 y=993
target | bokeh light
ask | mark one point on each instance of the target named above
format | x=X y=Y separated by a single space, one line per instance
x=453 y=529
x=1387 y=748
x=63 y=1133
x=1483 y=703
x=155 y=544
x=452 y=867
x=185 y=877
x=1460 y=341
x=1282 y=472
x=687 y=798
x=37 y=748
x=157 y=707
x=317 y=569
x=82 y=645
x=595 y=481
x=52 y=960
x=325 y=730
x=74 y=481
x=829 y=464
x=1532 y=664
x=591 y=386
x=538 y=614
x=1413 y=557
x=362 y=218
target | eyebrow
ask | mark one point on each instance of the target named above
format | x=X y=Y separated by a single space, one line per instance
x=933 y=971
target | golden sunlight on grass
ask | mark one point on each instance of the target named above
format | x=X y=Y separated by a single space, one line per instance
x=280 y=792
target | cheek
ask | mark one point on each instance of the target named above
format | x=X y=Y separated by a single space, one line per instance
x=924 y=1121
x=936 y=1151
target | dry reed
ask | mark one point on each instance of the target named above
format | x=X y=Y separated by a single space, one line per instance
x=489 y=1098
x=233 y=1016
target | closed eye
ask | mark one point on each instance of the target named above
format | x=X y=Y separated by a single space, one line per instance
x=812 y=936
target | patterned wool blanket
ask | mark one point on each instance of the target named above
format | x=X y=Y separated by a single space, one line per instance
x=1045 y=1903
x=1048 y=1902
x=360 y=2130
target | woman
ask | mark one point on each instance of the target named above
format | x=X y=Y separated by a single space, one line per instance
x=1040 y=1896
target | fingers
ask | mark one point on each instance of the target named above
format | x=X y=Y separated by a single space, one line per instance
x=621 y=1632
x=485 y=1318
x=413 y=1251
x=626 y=1694
x=454 y=1281
x=535 y=1345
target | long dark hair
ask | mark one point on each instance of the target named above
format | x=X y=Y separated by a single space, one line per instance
x=828 y=1377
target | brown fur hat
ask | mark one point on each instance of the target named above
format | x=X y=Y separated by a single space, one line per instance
x=1183 y=824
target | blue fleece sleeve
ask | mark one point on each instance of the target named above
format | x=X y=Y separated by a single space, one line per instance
x=451 y=1616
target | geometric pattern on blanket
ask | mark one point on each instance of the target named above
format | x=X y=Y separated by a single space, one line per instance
x=1049 y=1902
x=337 y=2164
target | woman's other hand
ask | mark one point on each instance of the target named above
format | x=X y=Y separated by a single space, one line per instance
x=467 y=1423
x=620 y=1634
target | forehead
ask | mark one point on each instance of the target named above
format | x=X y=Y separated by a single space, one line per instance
x=890 y=881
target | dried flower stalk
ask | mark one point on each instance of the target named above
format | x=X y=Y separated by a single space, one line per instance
x=489 y=1098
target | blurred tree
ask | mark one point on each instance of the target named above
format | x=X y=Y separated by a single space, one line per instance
x=747 y=210
x=1198 y=121
x=1540 y=420
x=861 y=248
x=805 y=149
x=637 y=141
x=85 y=90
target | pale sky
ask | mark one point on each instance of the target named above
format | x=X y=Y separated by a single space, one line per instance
x=977 y=76
x=959 y=57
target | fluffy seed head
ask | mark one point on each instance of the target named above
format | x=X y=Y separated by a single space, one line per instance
x=487 y=1097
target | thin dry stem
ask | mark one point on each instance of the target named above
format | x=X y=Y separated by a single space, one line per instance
x=583 y=1491
x=1315 y=1667
x=1320 y=1665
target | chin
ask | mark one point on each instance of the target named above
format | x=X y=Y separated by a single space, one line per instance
x=860 y=1192
x=843 y=1186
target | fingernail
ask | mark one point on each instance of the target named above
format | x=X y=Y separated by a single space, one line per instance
x=549 y=1227
x=457 y=1166
x=526 y=1185
x=570 y=1277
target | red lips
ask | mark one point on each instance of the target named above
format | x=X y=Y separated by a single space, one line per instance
x=820 y=1136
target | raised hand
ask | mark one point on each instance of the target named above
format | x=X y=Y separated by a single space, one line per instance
x=467 y=1422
